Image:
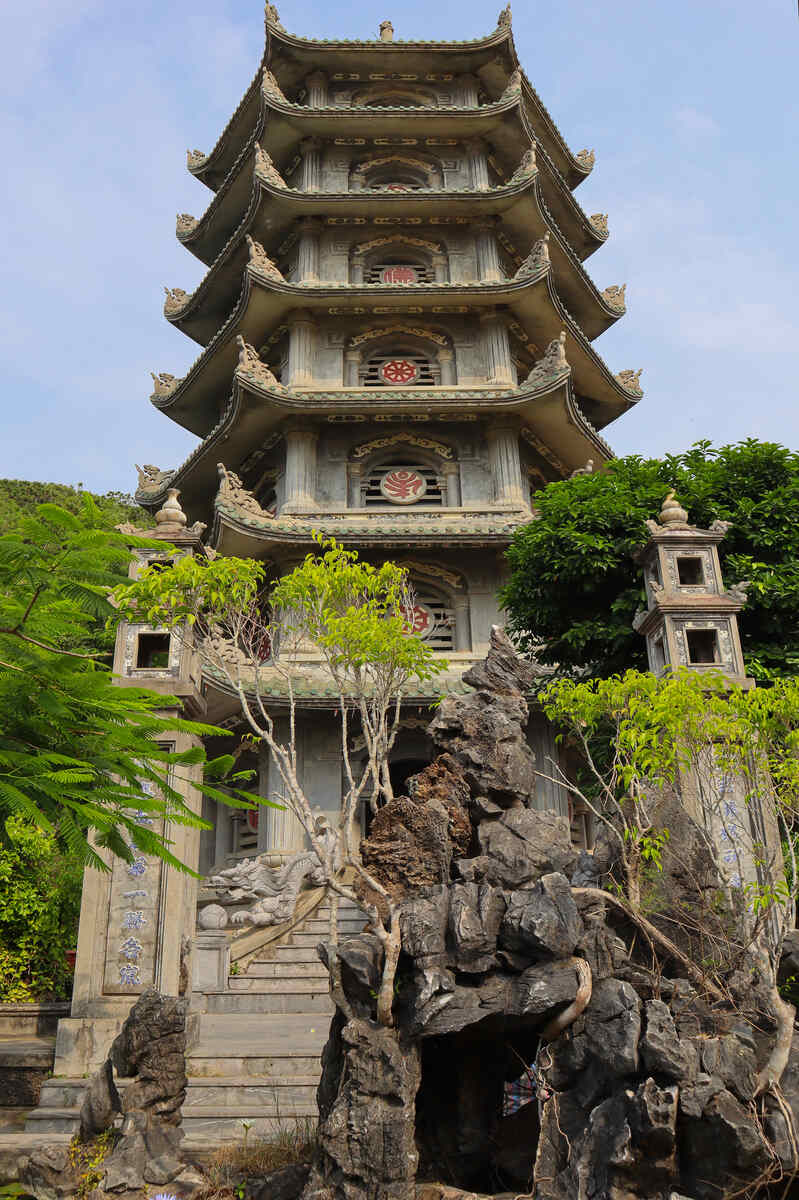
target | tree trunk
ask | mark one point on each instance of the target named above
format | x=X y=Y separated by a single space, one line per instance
x=391 y=950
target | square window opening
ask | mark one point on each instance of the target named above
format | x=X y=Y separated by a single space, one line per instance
x=703 y=645
x=689 y=571
x=152 y=651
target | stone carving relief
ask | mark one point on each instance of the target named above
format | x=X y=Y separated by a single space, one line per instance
x=394 y=439
x=151 y=478
x=536 y=259
x=266 y=168
x=164 y=383
x=232 y=490
x=526 y=167
x=251 y=365
x=261 y=260
x=271 y=88
x=185 y=224
x=273 y=890
x=614 y=296
x=389 y=239
x=600 y=223
x=370 y=334
x=629 y=380
x=553 y=361
x=175 y=300
x=195 y=159
x=586 y=158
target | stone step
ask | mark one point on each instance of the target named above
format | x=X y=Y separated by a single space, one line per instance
x=254 y=1069
x=322 y=925
x=237 y=1091
x=287 y=953
x=251 y=1002
x=296 y=985
x=221 y=1125
x=277 y=968
x=53 y=1120
x=299 y=937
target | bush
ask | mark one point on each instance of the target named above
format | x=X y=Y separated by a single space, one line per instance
x=39 y=906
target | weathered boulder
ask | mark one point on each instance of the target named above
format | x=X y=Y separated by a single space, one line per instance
x=722 y=1145
x=475 y=916
x=408 y=846
x=613 y=1026
x=542 y=921
x=663 y=1053
x=518 y=847
x=366 y=1116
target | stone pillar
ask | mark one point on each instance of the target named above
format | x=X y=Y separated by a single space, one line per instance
x=300 y=470
x=503 y=452
x=317 y=90
x=210 y=960
x=496 y=347
x=488 y=268
x=468 y=90
x=478 y=164
x=440 y=268
x=463 y=633
x=352 y=361
x=446 y=360
x=308 y=257
x=302 y=344
x=311 y=151
x=357 y=267
x=354 y=477
x=451 y=474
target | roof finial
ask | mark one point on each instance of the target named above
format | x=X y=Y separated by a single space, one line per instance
x=672 y=515
x=170 y=518
x=504 y=17
x=386 y=31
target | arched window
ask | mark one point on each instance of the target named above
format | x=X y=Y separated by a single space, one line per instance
x=401 y=480
x=399 y=356
x=396 y=172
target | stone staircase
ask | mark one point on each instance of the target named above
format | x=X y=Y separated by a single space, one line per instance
x=255 y=1047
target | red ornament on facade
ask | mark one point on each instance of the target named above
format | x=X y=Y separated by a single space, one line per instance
x=419 y=620
x=399 y=370
x=402 y=486
x=398 y=275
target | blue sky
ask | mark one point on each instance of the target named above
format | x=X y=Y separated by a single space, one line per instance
x=691 y=106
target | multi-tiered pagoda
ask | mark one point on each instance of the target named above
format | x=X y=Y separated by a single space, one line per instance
x=395 y=335
x=395 y=327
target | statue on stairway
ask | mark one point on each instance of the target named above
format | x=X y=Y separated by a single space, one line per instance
x=273 y=890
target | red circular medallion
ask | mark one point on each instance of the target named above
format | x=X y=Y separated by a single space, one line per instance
x=399 y=370
x=402 y=486
x=398 y=275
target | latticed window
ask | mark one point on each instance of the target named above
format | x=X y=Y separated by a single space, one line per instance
x=399 y=369
x=396 y=482
x=396 y=272
x=432 y=618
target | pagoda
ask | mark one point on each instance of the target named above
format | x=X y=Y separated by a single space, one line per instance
x=396 y=347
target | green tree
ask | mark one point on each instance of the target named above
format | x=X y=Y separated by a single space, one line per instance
x=351 y=617
x=637 y=735
x=574 y=587
x=74 y=749
x=21 y=497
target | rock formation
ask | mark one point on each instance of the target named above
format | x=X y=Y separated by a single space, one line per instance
x=544 y=1041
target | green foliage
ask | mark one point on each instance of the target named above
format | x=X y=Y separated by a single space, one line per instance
x=21 y=497
x=74 y=749
x=574 y=587
x=39 y=908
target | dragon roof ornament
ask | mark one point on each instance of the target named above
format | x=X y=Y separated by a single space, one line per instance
x=630 y=380
x=152 y=478
x=261 y=260
x=505 y=17
x=253 y=367
x=232 y=491
x=271 y=88
x=536 y=259
x=552 y=362
x=600 y=223
x=185 y=224
x=586 y=159
x=176 y=299
x=513 y=87
x=266 y=168
x=614 y=296
x=272 y=17
x=526 y=167
x=195 y=159
x=164 y=384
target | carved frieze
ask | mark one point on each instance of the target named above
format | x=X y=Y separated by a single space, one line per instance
x=394 y=439
x=369 y=335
